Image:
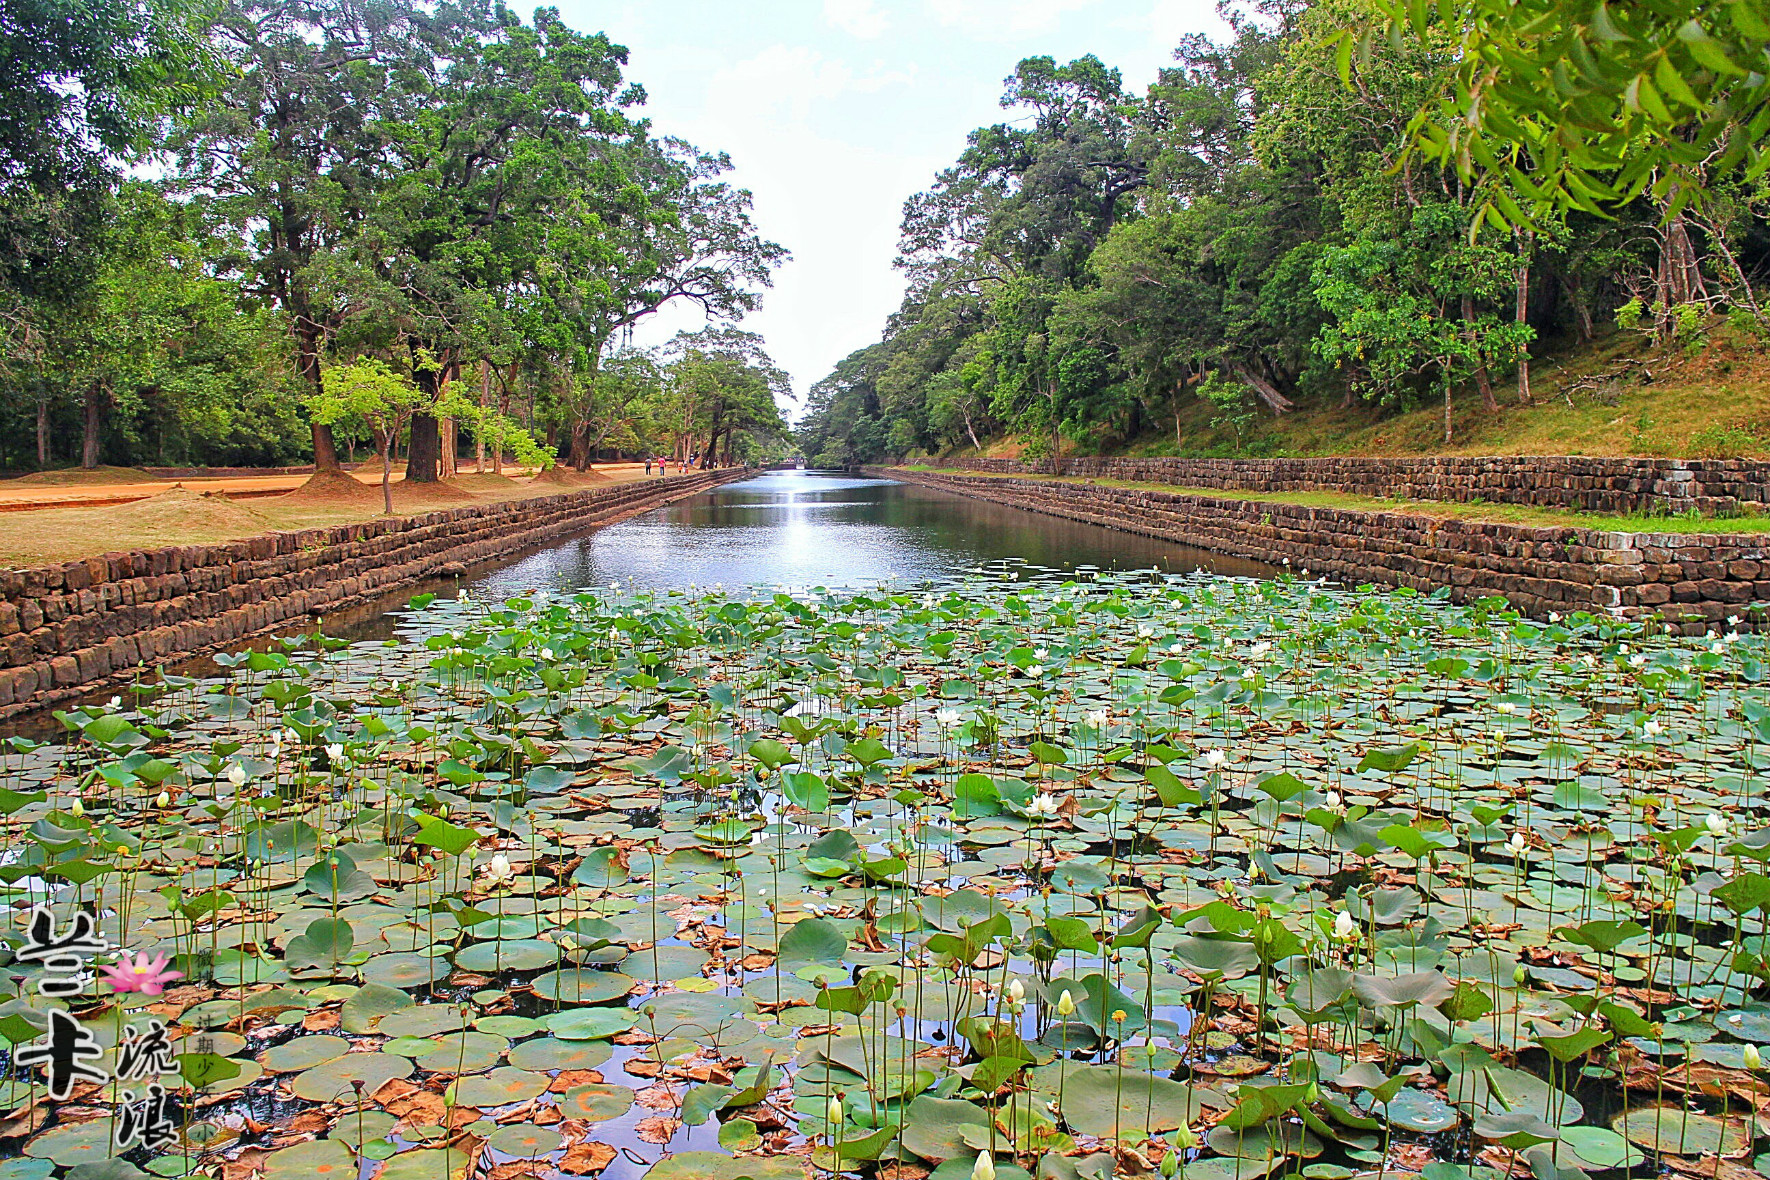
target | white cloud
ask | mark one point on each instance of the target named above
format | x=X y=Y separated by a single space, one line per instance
x=857 y=18
x=1169 y=20
x=1000 y=18
x=789 y=79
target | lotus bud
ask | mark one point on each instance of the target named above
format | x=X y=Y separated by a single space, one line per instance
x=835 y=1112
x=162 y=800
x=1519 y=975
x=1345 y=928
x=984 y=1168
x=1170 y=1165
x=1516 y=844
x=77 y=809
x=1185 y=1138
x=1066 y=1004
x=1016 y=992
x=1753 y=1059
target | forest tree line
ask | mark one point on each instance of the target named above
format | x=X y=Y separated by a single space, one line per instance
x=1356 y=200
x=208 y=208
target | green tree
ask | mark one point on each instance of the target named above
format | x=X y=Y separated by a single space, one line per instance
x=369 y=391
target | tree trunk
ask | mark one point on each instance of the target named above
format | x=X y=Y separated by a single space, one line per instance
x=1680 y=276
x=1481 y=377
x=1447 y=404
x=93 y=414
x=1263 y=389
x=479 y=433
x=970 y=430
x=43 y=429
x=447 y=464
x=309 y=341
x=1521 y=315
x=580 y=448
x=424 y=450
x=387 y=472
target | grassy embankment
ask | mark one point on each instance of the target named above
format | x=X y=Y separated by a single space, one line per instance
x=1638 y=522
x=1606 y=398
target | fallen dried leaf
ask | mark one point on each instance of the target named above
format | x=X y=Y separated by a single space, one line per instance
x=657 y=1129
x=583 y=1158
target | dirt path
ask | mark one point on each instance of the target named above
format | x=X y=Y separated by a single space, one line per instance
x=45 y=523
x=21 y=496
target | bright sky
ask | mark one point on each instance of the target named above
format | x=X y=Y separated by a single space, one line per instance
x=835 y=111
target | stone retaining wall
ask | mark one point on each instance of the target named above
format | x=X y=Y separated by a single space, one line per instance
x=70 y=628
x=1555 y=481
x=1693 y=581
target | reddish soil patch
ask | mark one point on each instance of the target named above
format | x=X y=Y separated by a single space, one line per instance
x=334 y=488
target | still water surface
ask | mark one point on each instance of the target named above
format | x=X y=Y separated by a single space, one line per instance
x=809 y=528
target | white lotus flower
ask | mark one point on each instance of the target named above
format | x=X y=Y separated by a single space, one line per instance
x=1144 y=632
x=1554 y=616
x=499 y=871
x=463 y=597
x=335 y=751
x=1043 y=805
x=1035 y=670
x=1176 y=648
x=1716 y=823
x=1506 y=707
x=1215 y=758
x=1345 y=928
x=1653 y=728
x=947 y=717
x=1259 y=649
x=1516 y=845
x=236 y=774
x=1097 y=718
x=113 y=702
x=1637 y=661
x=547 y=654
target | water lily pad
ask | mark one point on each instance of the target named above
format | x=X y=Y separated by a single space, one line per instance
x=334 y=1081
x=430 y=1163
x=304 y=1053
x=516 y=954
x=526 y=1141
x=403 y=970
x=1674 y=1131
x=463 y=1051
x=321 y=1159
x=554 y=1053
x=73 y=1143
x=570 y=985
x=1098 y=1100
x=589 y=1024
x=425 y=1020
x=596 y=1102
x=502 y=1086
x=1413 y=1110
x=710 y=1165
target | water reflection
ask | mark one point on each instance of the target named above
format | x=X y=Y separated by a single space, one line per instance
x=799 y=528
